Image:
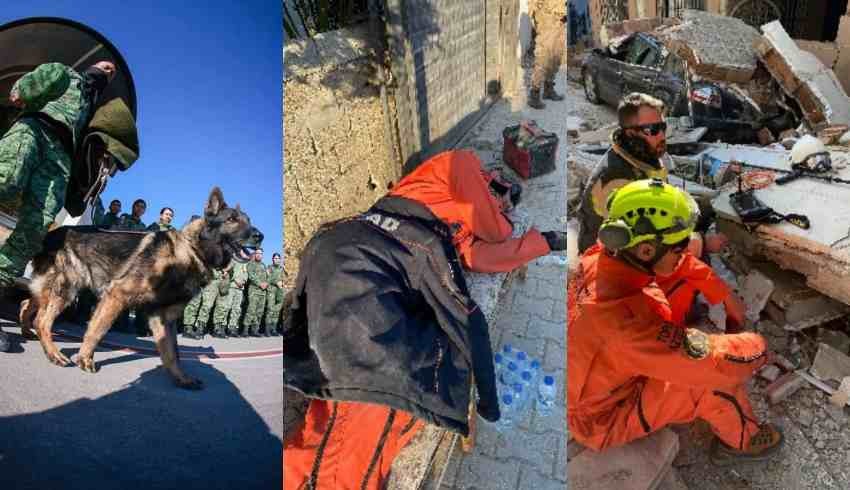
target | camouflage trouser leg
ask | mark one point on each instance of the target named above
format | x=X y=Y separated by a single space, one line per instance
x=273 y=306
x=254 y=313
x=232 y=308
x=34 y=173
x=190 y=314
x=222 y=308
x=208 y=295
x=548 y=52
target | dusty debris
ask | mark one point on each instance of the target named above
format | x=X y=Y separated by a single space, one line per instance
x=830 y=364
x=697 y=38
x=610 y=32
x=770 y=372
x=803 y=77
x=755 y=291
x=785 y=386
x=842 y=394
x=835 y=339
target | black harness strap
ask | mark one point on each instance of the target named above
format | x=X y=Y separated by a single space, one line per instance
x=320 y=451
x=378 y=449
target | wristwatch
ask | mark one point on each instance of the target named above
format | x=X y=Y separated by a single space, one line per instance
x=697 y=345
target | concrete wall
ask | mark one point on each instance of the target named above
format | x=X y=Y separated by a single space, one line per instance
x=336 y=160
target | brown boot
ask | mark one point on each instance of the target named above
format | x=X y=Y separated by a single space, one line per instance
x=764 y=444
x=550 y=94
x=534 y=99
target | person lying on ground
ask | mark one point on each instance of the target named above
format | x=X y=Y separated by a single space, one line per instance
x=381 y=332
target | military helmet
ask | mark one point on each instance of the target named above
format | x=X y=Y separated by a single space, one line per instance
x=648 y=210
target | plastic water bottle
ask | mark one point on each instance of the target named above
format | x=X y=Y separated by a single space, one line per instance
x=507 y=410
x=521 y=399
x=534 y=369
x=510 y=374
x=546 y=395
x=521 y=360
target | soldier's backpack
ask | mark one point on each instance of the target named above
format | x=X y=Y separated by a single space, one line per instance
x=529 y=150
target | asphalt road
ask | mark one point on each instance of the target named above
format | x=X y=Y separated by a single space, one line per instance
x=128 y=426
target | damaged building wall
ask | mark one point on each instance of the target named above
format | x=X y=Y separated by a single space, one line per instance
x=336 y=159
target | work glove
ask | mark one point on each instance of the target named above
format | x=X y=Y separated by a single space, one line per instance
x=557 y=240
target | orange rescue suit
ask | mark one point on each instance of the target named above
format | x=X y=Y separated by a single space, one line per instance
x=691 y=276
x=629 y=374
x=454 y=187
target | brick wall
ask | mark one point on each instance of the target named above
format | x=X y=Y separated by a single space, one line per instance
x=439 y=61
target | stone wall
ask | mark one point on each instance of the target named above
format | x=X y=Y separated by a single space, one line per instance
x=336 y=158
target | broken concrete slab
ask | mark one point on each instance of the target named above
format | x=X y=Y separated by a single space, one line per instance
x=842 y=394
x=785 y=386
x=770 y=372
x=802 y=76
x=641 y=465
x=699 y=34
x=830 y=364
x=755 y=292
x=827 y=53
x=821 y=253
x=795 y=306
x=837 y=340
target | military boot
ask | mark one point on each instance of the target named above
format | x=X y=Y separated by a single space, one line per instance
x=255 y=331
x=219 y=332
x=534 y=99
x=187 y=332
x=550 y=94
x=233 y=331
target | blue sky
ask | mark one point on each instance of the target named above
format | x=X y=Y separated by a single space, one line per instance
x=208 y=84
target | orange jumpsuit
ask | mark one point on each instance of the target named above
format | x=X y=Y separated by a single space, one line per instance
x=454 y=187
x=691 y=276
x=629 y=374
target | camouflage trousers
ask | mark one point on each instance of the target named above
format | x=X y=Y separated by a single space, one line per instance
x=196 y=315
x=254 y=311
x=34 y=173
x=274 y=302
x=548 y=51
x=227 y=311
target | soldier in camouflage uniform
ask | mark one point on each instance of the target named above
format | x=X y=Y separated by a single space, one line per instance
x=229 y=307
x=550 y=41
x=274 y=300
x=258 y=284
x=166 y=216
x=133 y=222
x=35 y=155
x=110 y=219
x=196 y=315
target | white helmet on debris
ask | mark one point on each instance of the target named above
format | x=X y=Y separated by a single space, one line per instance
x=806 y=147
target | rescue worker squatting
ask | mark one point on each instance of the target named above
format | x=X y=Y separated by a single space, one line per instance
x=632 y=371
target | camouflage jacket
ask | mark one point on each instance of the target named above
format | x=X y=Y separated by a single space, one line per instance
x=238 y=275
x=130 y=222
x=59 y=92
x=257 y=274
x=547 y=10
x=158 y=226
x=275 y=273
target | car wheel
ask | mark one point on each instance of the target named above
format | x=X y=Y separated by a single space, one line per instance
x=591 y=91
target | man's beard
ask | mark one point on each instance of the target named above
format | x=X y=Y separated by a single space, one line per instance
x=640 y=149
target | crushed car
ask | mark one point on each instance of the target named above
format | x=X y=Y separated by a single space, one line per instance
x=643 y=62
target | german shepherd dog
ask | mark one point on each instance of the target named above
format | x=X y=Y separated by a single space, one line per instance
x=159 y=272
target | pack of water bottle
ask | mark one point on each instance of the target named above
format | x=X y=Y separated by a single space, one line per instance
x=521 y=384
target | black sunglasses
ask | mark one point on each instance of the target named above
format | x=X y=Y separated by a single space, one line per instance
x=650 y=129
